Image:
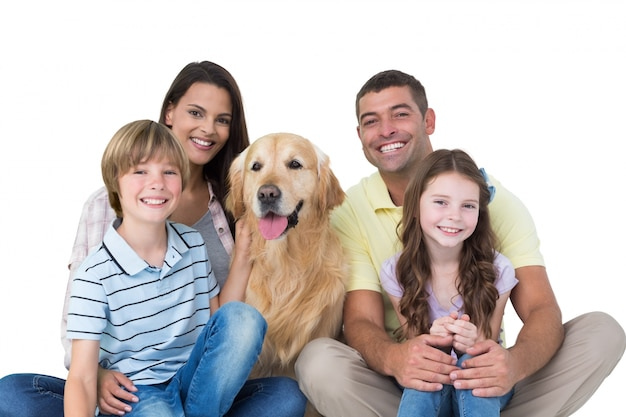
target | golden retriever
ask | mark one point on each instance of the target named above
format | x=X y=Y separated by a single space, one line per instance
x=283 y=185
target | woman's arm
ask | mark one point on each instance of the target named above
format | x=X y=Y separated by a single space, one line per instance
x=240 y=266
x=94 y=221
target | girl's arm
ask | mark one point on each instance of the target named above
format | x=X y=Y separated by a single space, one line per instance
x=465 y=333
x=498 y=314
x=82 y=382
x=240 y=266
x=395 y=302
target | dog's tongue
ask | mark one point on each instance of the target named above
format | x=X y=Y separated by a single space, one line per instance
x=272 y=226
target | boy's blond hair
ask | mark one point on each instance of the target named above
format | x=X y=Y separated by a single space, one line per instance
x=137 y=142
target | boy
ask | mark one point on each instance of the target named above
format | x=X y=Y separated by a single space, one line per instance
x=146 y=302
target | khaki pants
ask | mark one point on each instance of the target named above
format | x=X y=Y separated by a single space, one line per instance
x=336 y=380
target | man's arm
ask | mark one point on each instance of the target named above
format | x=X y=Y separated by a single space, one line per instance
x=364 y=328
x=495 y=370
x=415 y=363
x=536 y=305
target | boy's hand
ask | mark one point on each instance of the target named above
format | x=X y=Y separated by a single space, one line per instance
x=114 y=386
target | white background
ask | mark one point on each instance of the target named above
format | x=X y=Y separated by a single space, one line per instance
x=534 y=90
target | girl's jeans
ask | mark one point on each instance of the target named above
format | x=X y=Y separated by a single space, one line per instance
x=211 y=383
x=450 y=402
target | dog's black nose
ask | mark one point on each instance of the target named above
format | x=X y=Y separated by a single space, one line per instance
x=268 y=193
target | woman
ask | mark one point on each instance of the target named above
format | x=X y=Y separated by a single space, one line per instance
x=204 y=109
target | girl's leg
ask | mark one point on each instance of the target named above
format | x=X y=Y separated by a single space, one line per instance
x=467 y=405
x=471 y=406
x=424 y=403
x=31 y=395
x=269 y=397
x=221 y=360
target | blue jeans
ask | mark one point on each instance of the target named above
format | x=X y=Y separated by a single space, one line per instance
x=209 y=384
x=450 y=402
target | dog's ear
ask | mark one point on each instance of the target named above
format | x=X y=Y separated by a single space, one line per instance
x=331 y=193
x=234 y=198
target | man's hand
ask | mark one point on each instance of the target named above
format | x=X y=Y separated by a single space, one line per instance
x=489 y=373
x=419 y=364
x=114 y=386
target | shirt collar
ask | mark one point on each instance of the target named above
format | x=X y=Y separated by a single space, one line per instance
x=379 y=194
x=131 y=263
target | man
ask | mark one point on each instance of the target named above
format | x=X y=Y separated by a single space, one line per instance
x=554 y=368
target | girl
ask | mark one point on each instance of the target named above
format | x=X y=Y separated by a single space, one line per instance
x=448 y=280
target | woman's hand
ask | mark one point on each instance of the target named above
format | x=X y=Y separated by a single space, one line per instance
x=243 y=241
x=240 y=267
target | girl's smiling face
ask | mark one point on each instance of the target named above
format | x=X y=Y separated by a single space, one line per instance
x=449 y=209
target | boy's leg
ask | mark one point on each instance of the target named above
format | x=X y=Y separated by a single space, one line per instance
x=157 y=401
x=269 y=397
x=31 y=395
x=593 y=345
x=337 y=381
x=221 y=360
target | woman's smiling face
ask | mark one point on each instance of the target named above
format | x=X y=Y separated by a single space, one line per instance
x=201 y=121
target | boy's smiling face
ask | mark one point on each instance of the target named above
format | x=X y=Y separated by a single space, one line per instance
x=150 y=191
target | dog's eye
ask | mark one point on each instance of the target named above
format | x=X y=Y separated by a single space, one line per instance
x=295 y=164
x=256 y=166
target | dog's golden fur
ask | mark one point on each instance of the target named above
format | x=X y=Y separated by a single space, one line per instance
x=298 y=278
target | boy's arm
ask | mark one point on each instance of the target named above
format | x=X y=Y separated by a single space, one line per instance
x=81 y=386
